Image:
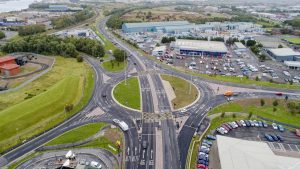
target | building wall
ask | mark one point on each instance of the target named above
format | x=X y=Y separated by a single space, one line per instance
x=8 y=62
x=11 y=72
x=200 y=53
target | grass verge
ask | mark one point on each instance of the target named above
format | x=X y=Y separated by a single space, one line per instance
x=181 y=88
x=114 y=66
x=282 y=113
x=78 y=134
x=128 y=94
x=293 y=40
x=40 y=105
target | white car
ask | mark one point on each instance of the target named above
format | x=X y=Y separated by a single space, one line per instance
x=255 y=123
x=235 y=125
x=274 y=125
x=183 y=110
x=243 y=123
x=225 y=131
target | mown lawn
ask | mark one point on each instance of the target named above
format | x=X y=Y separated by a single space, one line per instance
x=294 y=40
x=128 y=94
x=114 y=66
x=181 y=88
x=282 y=113
x=78 y=134
x=40 y=105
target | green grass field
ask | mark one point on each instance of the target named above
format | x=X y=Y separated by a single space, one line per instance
x=114 y=66
x=253 y=105
x=181 y=88
x=78 y=134
x=128 y=94
x=294 y=40
x=40 y=105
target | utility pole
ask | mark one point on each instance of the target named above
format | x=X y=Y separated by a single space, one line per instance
x=125 y=68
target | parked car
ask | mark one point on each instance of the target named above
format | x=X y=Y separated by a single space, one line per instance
x=297 y=132
x=243 y=123
x=274 y=125
x=255 y=123
x=201 y=166
x=251 y=123
x=248 y=124
x=265 y=124
x=280 y=138
x=228 y=126
x=274 y=137
x=235 y=124
x=211 y=137
x=268 y=137
x=280 y=128
x=207 y=142
x=225 y=127
x=238 y=123
x=260 y=124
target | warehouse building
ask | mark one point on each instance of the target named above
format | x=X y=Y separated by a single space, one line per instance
x=243 y=154
x=159 y=51
x=199 y=48
x=150 y=26
x=284 y=54
x=239 y=47
x=292 y=64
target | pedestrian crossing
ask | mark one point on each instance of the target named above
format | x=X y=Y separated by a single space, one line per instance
x=153 y=117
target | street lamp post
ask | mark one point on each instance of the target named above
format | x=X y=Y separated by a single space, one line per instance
x=125 y=68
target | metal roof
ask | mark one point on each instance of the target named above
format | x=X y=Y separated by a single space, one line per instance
x=155 y=24
x=284 y=52
x=240 y=45
x=6 y=58
x=243 y=154
x=292 y=63
x=9 y=66
x=208 y=46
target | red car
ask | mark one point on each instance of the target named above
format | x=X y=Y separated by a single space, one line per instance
x=201 y=166
x=279 y=94
x=297 y=132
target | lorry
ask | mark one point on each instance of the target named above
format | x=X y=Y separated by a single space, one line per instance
x=230 y=93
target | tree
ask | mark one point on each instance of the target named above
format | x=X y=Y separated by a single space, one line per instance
x=79 y=58
x=251 y=42
x=68 y=107
x=223 y=115
x=262 y=102
x=275 y=103
x=31 y=30
x=2 y=35
x=257 y=78
x=243 y=42
x=234 y=115
x=260 y=45
x=250 y=115
x=274 y=109
x=262 y=57
x=280 y=46
x=119 y=55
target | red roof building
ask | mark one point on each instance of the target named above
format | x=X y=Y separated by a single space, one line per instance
x=8 y=66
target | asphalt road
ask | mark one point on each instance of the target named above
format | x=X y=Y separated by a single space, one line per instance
x=175 y=147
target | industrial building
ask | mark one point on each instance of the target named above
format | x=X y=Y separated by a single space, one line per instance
x=292 y=64
x=240 y=47
x=58 y=8
x=8 y=66
x=284 y=54
x=185 y=26
x=150 y=26
x=243 y=154
x=199 y=48
x=159 y=51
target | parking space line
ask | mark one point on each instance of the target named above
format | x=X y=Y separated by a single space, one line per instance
x=290 y=147
x=271 y=145
x=297 y=148
x=281 y=147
